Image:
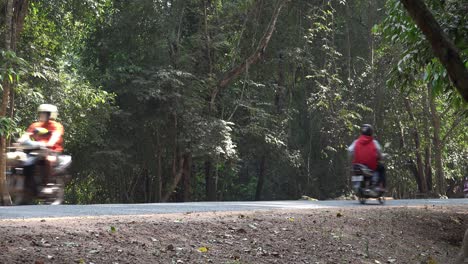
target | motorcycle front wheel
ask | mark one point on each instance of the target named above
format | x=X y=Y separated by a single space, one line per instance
x=20 y=189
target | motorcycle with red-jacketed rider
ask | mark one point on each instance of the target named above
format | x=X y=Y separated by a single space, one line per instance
x=365 y=184
x=25 y=174
x=368 y=170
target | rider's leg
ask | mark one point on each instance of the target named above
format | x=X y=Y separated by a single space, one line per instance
x=44 y=170
x=47 y=169
x=382 y=178
x=30 y=183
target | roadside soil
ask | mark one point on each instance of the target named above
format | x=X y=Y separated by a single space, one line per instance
x=367 y=234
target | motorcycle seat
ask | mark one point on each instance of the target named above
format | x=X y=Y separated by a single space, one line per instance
x=362 y=170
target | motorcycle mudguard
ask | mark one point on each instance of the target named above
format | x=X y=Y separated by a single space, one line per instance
x=356 y=186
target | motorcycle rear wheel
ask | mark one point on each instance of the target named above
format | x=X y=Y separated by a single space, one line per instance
x=381 y=200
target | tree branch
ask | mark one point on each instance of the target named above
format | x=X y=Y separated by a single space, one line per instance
x=442 y=46
x=252 y=59
x=455 y=124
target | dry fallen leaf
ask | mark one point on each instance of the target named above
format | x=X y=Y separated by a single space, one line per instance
x=456 y=220
x=252 y=226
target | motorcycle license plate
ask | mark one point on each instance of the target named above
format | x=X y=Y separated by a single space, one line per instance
x=357 y=178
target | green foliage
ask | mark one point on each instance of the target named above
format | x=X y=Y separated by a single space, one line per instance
x=416 y=69
x=12 y=67
x=417 y=58
x=134 y=81
x=7 y=127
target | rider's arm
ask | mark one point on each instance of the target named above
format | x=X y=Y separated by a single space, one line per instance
x=56 y=135
x=54 y=139
x=351 y=148
x=25 y=137
x=379 y=149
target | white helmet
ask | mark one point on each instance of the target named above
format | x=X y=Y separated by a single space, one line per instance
x=48 y=108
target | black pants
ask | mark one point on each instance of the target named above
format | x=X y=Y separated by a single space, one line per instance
x=29 y=181
x=381 y=171
x=44 y=171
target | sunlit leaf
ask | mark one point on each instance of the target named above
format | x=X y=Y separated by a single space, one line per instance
x=203 y=249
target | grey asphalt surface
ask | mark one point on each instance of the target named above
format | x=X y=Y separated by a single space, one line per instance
x=48 y=211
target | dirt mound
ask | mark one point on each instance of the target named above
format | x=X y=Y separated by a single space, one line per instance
x=364 y=235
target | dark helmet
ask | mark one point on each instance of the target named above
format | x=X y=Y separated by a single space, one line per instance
x=367 y=130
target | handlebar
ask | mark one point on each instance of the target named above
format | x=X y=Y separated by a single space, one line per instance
x=29 y=145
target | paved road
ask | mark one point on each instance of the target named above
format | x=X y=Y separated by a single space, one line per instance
x=46 y=211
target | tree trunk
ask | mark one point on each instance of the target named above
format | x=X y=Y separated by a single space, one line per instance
x=280 y=89
x=427 y=149
x=208 y=39
x=159 y=171
x=422 y=186
x=414 y=170
x=261 y=179
x=442 y=46
x=209 y=182
x=177 y=162
x=379 y=97
x=187 y=176
x=175 y=179
x=463 y=256
x=174 y=41
x=428 y=167
x=20 y=11
x=438 y=148
x=5 y=195
x=348 y=25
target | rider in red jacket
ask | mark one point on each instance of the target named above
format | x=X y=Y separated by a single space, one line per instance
x=367 y=151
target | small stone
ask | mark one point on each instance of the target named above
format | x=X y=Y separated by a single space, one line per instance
x=241 y=230
x=170 y=247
